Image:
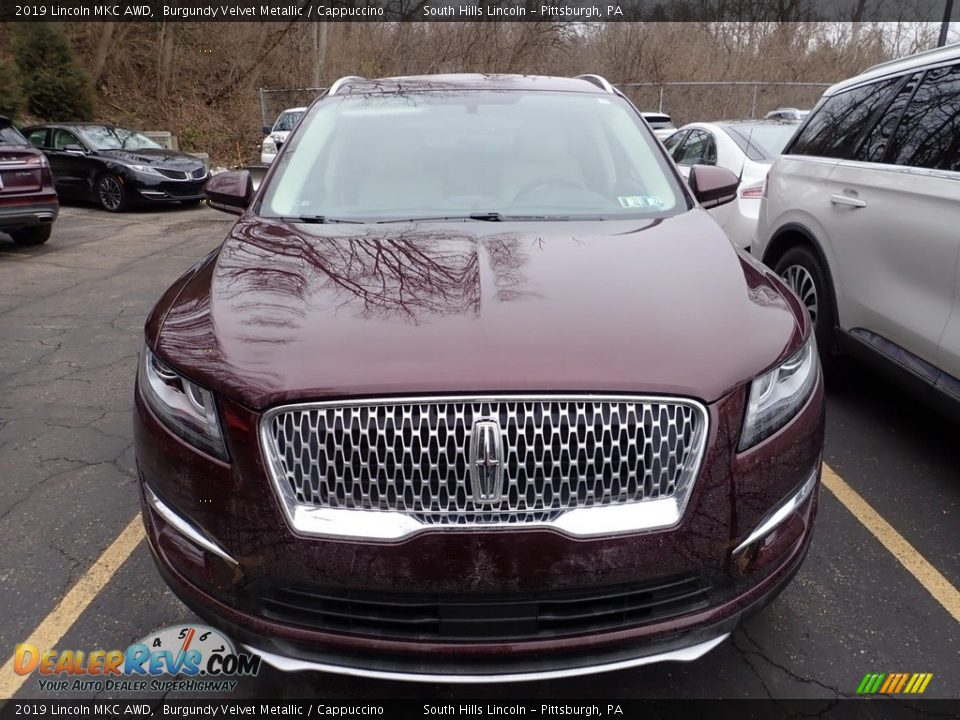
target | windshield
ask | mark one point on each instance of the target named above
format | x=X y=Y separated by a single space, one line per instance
x=9 y=135
x=766 y=141
x=455 y=154
x=101 y=137
x=287 y=120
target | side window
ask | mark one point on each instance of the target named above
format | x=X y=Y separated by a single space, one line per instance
x=698 y=149
x=929 y=133
x=835 y=126
x=673 y=141
x=38 y=138
x=62 y=138
x=874 y=147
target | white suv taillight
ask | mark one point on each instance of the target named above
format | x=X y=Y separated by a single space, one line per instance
x=754 y=191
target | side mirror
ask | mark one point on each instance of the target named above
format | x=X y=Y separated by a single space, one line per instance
x=229 y=192
x=712 y=185
x=74 y=150
x=267 y=129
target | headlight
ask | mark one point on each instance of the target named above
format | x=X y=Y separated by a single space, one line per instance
x=778 y=395
x=187 y=409
x=144 y=169
x=269 y=145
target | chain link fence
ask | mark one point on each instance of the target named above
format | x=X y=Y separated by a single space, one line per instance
x=721 y=100
x=274 y=101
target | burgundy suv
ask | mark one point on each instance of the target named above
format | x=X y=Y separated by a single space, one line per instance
x=28 y=200
x=475 y=389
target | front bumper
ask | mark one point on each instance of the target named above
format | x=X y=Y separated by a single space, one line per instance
x=238 y=512
x=28 y=211
x=157 y=189
x=684 y=641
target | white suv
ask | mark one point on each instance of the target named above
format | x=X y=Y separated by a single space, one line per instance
x=278 y=134
x=861 y=216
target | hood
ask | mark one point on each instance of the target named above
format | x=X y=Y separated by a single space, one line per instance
x=159 y=157
x=290 y=312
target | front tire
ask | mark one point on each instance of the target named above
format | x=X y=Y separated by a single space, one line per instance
x=112 y=194
x=802 y=271
x=36 y=235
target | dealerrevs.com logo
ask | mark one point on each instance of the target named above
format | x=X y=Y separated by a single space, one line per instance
x=203 y=658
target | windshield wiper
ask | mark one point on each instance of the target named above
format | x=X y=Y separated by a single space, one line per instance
x=318 y=220
x=488 y=217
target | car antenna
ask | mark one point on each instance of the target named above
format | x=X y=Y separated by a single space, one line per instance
x=746 y=154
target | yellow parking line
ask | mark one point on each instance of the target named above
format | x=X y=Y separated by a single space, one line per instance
x=926 y=574
x=55 y=625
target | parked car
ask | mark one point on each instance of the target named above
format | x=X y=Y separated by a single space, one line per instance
x=117 y=167
x=661 y=124
x=746 y=148
x=28 y=200
x=787 y=114
x=475 y=369
x=278 y=134
x=861 y=215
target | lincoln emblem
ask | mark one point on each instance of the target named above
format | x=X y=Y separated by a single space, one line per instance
x=486 y=461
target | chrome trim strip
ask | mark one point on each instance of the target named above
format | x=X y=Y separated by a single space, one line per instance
x=376 y=525
x=184 y=527
x=286 y=664
x=778 y=516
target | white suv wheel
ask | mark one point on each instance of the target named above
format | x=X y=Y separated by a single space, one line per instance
x=801 y=282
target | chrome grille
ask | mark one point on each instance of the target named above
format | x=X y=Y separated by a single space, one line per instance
x=200 y=172
x=412 y=457
x=172 y=174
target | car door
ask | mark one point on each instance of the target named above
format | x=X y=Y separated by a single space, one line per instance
x=69 y=166
x=38 y=138
x=672 y=143
x=698 y=148
x=894 y=219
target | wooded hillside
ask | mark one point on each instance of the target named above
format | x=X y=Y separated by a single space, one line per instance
x=201 y=80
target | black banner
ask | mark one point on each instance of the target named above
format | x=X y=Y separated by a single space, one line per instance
x=168 y=709
x=473 y=10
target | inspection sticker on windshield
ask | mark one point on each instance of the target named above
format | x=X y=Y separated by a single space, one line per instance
x=640 y=201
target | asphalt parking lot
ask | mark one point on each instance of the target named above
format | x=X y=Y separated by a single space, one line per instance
x=71 y=317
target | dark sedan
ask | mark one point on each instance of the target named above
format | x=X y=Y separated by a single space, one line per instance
x=476 y=390
x=28 y=202
x=117 y=167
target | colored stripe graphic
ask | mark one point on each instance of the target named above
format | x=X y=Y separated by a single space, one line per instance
x=891 y=679
x=894 y=683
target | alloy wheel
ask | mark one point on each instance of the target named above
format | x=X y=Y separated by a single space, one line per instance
x=801 y=282
x=111 y=194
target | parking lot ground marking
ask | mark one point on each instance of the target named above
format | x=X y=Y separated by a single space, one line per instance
x=926 y=574
x=53 y=627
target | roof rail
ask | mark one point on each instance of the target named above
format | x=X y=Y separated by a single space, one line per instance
x=598 y=80
x=931 y=51
x=341 y=82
